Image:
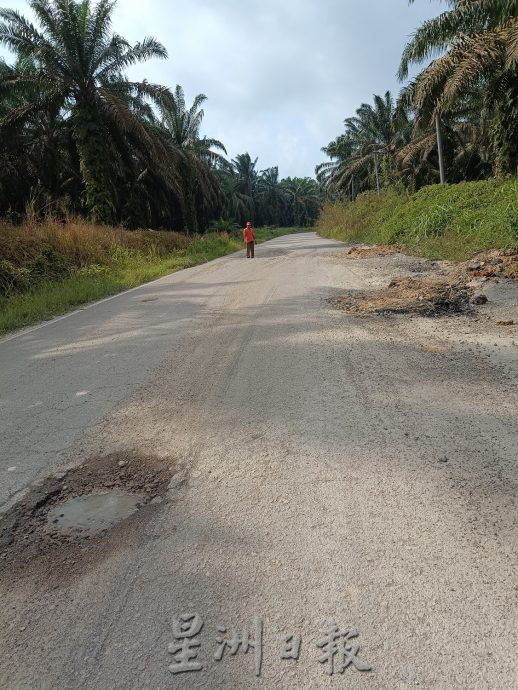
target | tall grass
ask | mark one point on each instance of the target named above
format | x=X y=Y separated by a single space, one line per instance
x=359 y=221
x=441 y=221
x=79 y=243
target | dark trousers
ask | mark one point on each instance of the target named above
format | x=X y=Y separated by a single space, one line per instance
x=250 y=250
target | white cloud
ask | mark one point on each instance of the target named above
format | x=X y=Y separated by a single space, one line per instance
x=280 y=76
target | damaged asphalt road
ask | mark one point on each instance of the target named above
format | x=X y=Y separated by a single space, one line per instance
x=294 y=463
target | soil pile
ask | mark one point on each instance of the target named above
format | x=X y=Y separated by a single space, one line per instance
x=496 y=263
x=373 y=250
x=450 y=289
x=428 y=296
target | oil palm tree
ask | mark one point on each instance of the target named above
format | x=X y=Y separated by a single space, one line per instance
x=474 y=43
x=365 y=153
x=245 y=169
x=239 y=182
x=78 y=68
x=270 y=196
x=35 y=156
x=466 y=129
x=303 y=197
x=237 y=204
x=199 y=155
x=340 y=151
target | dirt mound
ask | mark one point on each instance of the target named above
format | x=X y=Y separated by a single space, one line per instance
x=428 y=296
x=496 y=263
x=450 y=289
x=25 y=534
x=372 y=250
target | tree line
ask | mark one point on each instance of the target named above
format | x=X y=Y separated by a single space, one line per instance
x=79 y=138
x=456 y=121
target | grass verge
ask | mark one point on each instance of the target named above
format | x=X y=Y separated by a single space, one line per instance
x=49 y=271
x=440 y=221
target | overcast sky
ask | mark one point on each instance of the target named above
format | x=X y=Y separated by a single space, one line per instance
x=280 y=75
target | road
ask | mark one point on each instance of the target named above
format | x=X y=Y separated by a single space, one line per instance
x=325 y=467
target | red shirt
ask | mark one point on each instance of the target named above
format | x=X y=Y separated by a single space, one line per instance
x=248 y=234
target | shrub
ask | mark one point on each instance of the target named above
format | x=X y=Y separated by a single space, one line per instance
x=49 y=264
x=224 y=225
x=13 y=279
x=444 y=221
x=36 y=252
x=359 y=221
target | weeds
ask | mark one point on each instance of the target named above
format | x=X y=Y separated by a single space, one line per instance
x=439 y=221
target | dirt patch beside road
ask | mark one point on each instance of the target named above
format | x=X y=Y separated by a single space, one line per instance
x=429 y=296
x=494 y=264
x=372 y=250
x=445 y=289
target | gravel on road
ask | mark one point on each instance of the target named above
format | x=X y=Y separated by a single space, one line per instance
x=322 y=469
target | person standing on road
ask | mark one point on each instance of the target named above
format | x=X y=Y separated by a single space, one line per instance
x=249 y=237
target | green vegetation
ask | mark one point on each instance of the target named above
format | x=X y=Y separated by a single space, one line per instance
x=476 y=73
x=439 y=221
x=80 y=139
x=467 y=97
x=469 y=93
x=359 y=221
x=50 y=268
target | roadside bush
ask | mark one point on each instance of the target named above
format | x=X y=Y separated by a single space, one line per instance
x=37 y=252
x=224 y=225
x=443 y=221
x=48 y=264
x=13 y=279
x=359 y=221
x=81 y=244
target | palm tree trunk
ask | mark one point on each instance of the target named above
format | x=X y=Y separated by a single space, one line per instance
x=189 y=196
x=504 y=134
x=94 y=166
x=440 y=149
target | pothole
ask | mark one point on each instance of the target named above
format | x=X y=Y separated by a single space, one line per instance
x=93 y=513
x=84 y=513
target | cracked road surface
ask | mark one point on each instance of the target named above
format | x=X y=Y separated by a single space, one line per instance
x=325 y=467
